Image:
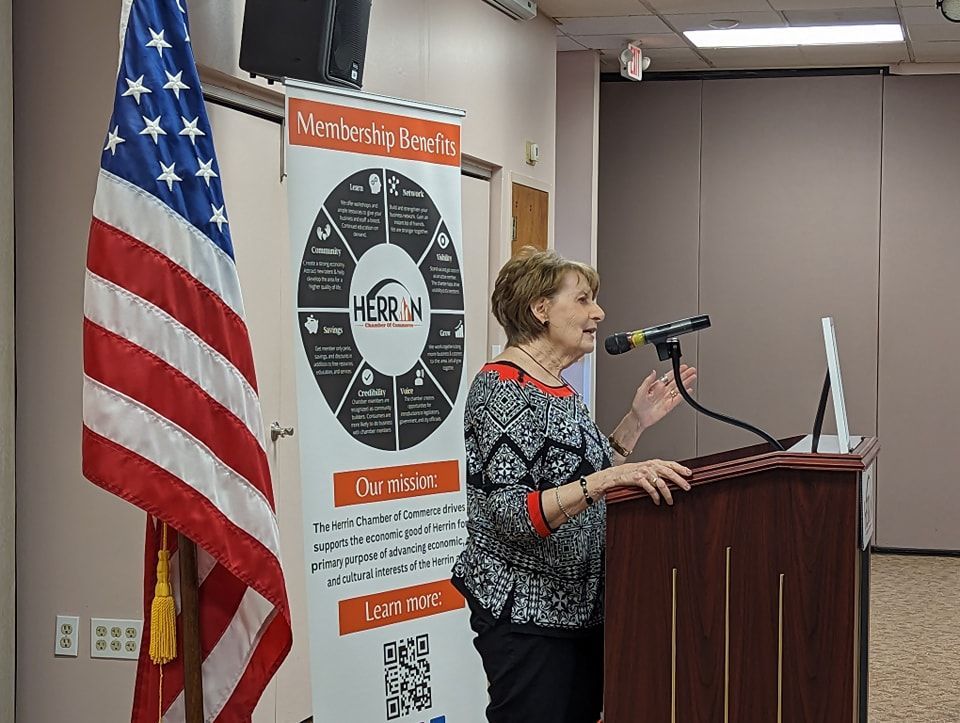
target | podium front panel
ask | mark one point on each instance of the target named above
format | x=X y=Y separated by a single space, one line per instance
x=739 y=603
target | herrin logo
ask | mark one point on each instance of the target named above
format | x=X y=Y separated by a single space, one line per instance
x=388 y=301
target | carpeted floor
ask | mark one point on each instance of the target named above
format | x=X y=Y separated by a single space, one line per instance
x=915 y=639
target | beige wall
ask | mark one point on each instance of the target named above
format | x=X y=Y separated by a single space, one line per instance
x=578 y=133
x=919 y=505
x=647 y=245
x=758 y=201
x=79 y=548
x=75 y=554
x=459 y=53
x=466 y=54
x=7 y=495
x=789 y=233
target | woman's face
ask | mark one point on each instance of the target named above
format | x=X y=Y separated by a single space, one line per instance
x=574 y=314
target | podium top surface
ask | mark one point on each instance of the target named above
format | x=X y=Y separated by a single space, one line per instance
x=760 y=457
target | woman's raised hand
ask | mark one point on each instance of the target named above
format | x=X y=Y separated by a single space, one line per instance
x=651 y=475
x=658 y=396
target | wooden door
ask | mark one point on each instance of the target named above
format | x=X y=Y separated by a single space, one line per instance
x=530 y=208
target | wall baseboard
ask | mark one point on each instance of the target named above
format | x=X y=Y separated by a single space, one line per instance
x=915 y=551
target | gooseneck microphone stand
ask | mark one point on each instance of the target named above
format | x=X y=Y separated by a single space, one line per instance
x=670 y=349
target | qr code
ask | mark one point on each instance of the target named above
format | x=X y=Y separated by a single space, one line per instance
x=406 y=676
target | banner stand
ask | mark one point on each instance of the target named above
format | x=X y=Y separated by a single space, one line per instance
x=375 y=227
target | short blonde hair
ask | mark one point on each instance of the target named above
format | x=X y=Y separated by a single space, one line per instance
x=530 y=275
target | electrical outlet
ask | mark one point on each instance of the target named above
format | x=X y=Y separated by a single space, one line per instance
x=113 y=638
x=68 y=632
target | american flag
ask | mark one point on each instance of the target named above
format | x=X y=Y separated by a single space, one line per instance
x=171 y=414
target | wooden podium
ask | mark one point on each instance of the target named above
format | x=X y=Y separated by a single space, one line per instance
x=746 y=601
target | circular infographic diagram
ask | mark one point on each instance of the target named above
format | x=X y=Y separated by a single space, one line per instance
x=380 y=309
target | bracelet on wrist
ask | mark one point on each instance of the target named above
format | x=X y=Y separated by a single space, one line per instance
x=586 y=492
x=619 y=448
x=556 y=492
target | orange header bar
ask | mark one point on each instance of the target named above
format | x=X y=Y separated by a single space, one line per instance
x=341 y=128
x=357 y=487
x=395 y=606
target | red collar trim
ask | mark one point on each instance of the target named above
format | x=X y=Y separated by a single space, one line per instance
x=509 y=371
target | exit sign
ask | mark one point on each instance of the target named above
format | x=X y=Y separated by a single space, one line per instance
x=631 y=62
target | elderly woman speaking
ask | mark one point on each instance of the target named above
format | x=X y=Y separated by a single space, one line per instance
x=538 y=468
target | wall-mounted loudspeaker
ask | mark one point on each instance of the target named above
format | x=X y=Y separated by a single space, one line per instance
x=323 y=41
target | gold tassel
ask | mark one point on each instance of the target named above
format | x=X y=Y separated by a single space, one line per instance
x=163 y=611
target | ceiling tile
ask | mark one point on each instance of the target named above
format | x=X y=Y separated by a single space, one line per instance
x=604 y=42
x=672 y=66
x=915 y=3
x=565 y=43
x=672 y=59
x=672 y=55
x=844 y=16
x=928 y=15
x=613 y=26
x=609 y=65
x=696 y=21
x=733 y=58
x=934 y=33
x=617 y=42
x=830 y=4
x=855 y=55
x=718 y=8
x=942 y=52
x=590 y=8
x=665 y=58
x=666 y=40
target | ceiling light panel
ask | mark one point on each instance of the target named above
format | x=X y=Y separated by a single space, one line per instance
x=787 y=37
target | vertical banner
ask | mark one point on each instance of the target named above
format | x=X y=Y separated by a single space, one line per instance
x=374 y=203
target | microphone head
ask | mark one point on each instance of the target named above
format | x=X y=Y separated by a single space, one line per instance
x=617 y=343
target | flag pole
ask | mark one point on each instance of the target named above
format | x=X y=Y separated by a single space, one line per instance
x=190 y=619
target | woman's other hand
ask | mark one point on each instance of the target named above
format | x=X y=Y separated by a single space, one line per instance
x=657 y=396
x=651 y=476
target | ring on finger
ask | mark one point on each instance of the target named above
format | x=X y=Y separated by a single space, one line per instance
x=664 y=379
x=673 y=393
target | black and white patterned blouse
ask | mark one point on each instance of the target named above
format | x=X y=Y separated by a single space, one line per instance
x=523 y=438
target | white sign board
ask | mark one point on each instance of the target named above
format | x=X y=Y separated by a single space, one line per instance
x=374 y=205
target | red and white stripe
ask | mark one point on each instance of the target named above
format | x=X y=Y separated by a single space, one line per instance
x=172 y=423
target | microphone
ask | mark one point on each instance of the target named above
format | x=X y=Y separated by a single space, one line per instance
x=627 y=340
